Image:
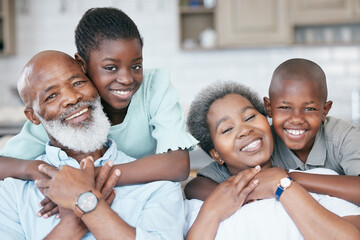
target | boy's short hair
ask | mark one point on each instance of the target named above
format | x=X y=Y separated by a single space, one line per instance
x=292 y=68
x=99 y=24
x=197 y=116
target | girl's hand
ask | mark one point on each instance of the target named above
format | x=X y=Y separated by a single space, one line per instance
x=230 y=195
x=269 y=180
x=32 y=170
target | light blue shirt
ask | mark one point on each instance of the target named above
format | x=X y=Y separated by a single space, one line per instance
x=154 y=123
x=155 y=209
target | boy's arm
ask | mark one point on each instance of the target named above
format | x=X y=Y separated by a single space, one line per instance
x=341 y=186
x=200 y=188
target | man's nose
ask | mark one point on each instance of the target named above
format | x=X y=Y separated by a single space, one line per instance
x=71 y=96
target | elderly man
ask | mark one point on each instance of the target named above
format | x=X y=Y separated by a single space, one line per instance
x=59 y=96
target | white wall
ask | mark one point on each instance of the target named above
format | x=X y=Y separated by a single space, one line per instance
x=41 y=25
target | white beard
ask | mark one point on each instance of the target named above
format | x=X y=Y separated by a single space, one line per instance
x=87 y=136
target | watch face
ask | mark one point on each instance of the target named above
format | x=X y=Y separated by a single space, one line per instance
x=285 y=182
x=87 y=201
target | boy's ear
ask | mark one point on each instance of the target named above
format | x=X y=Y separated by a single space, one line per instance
x=81 y=61
x=29 y=113
x=327 y=107
x=267 y=104
x=214 y=154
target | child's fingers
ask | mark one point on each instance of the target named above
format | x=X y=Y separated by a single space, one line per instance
x=42 y=183
x=47 y=169
x=103 y=175
x=49 y=209
x=45 y=201
x=110 y=183
x=109 y=200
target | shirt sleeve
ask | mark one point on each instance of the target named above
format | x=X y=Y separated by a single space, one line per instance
x=166 y=115
x=28 y=144
x=163 y=216
x=10 y=227
x=215 y=172
x=351 y=152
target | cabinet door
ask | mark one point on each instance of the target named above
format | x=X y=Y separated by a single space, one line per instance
x=252 y=22
x=322 y=11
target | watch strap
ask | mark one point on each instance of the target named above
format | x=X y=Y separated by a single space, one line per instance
x=281 y=189
x=78 y=212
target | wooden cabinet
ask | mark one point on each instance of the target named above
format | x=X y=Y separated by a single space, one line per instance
x=6 y=27
x=313 y=12
x=255 y=22
x=243 y=23
x=194 y=20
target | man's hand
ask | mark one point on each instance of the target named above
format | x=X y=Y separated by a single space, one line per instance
x=68 y=183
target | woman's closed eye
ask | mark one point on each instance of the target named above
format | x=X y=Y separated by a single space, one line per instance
x=226 y=130
x=249 y=118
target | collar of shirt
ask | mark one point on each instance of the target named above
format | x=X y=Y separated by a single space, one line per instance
x=57 y=157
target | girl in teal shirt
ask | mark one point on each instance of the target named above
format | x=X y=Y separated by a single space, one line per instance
x=147 y=120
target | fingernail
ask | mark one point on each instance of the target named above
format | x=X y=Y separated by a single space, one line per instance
x=110 y=163
x=45 y=216
x=57 y=216
x=39 y=214
x=117 y=172
x=40 y=166
x=36 y=181
x=258 y=167
x=91 y=158
x=256 y=181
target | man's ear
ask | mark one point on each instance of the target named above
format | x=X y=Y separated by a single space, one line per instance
x=81 y=61
x=327 y=107
x=267 y=104
x=29 y=113
x=214 y=154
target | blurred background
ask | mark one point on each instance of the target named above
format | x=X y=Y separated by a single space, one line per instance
x=199 y=42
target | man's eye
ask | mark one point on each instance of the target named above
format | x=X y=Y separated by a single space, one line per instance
x=111 y=68
x=51 y=96
x=78 y=83
x=226 y=130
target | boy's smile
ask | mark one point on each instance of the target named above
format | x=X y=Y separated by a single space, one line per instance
x=298 y=112
x=241 y=135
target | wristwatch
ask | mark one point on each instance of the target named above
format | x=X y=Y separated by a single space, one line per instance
x=87 y=202
x=284 y=184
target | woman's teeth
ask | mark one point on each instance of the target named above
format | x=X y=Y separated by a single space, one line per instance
x=251 y=146
x=77 y=114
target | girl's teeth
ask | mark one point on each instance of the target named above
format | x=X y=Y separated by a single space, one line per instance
x=77 y=114
x=295 y=132
x=121 y=92
x=251 y=145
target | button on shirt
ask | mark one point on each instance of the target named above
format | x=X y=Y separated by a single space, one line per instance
x=155 y=209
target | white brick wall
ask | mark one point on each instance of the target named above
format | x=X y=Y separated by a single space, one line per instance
x=43 y=26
